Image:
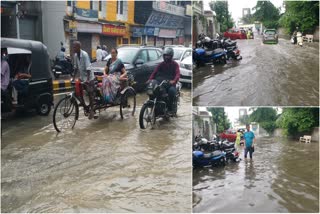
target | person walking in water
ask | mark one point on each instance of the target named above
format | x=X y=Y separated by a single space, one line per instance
x=249 y=139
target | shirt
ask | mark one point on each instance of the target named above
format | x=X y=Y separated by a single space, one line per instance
x=99 y=55
x=104 y=54
x=83 y=64
x=60 y=55
x=5 y=74
x=166 y=71
x=248 y=137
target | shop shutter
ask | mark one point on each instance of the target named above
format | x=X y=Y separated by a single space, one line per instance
x=85 y=39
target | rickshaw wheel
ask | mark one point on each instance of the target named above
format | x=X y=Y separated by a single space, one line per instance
x=44 y=109
x=128 y=104
x=65 y=114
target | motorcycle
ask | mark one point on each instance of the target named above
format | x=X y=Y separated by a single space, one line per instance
x=202 y=144
x=62 y=67
x=216 y=158
x=157 y=105
x=202 y=56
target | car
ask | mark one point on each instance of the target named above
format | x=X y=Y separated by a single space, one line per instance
x=172 y=46
x=139 y=61
x=270 y=36
x=230 y=135
x=186 y=71
x=235 y=34
x=180 y=53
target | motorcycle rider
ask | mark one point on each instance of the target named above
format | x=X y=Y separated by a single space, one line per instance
x=168 y=70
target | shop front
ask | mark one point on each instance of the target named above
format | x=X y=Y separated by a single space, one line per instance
x=112 y=36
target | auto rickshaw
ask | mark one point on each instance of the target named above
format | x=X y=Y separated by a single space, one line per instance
x=39 y=92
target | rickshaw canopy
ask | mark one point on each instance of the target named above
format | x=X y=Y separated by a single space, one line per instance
x=40 y=67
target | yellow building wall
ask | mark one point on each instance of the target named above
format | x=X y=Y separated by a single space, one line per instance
x=131 y=12
x=111 y=10
x=83 y=4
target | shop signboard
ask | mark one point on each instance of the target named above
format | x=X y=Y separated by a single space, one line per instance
x=86 y=14
x=112 y=30
x=167 y=33
x=149 y=31
x=164 y=20
x=137 y=31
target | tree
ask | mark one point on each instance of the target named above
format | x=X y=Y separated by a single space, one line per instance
x=266 y=13
x=220 y=119
x=266 y=117
x=244 y=120
x=298 y=120
x=222 y=14
x=247 y=19
x=302 y=14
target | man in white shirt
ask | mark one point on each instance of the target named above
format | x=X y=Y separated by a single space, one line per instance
x=82 y=64
x=99 y=54
x=104 y=51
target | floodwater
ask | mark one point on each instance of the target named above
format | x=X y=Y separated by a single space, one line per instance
x=268 y=75
x=283 y=177
x=103 y=165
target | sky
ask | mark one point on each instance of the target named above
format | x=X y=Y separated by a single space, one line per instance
x=235 y=6
x=233 y=112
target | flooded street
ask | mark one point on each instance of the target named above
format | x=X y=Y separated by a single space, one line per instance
x=103 y=165
x=283 y=177
x=268 y=75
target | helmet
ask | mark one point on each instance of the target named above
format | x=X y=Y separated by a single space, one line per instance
x=167 y=54
x=63 y=49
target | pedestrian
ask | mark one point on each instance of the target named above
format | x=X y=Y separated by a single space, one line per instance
x=104 y=51
x=99 y=54
x=249 y=139
x=238 y=137
x=82 y=64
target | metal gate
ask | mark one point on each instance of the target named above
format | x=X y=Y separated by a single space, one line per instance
x=85 y=39
x=109 y=41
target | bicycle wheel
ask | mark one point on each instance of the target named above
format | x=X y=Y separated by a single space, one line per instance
x=128 y=104
x=65 y=114
x=147 y=116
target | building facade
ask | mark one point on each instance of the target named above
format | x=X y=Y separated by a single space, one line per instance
x=163 y=22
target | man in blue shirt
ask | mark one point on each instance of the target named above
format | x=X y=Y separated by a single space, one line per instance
x=249 y=139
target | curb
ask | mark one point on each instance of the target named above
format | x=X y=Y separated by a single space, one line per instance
x=65 y=85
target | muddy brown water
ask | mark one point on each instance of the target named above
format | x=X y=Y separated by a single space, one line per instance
x=268 y=75
x=103 y=165
x=283 y=177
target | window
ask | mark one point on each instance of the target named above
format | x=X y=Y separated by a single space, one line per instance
x=91 y=5
x=143 y=55
x=69 y=3
x=159 y=53
x=100 y=5
x=94 y=5
x=186 y=54
x=153 y=55
x=120 y=7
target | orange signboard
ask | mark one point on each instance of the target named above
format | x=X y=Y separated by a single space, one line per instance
x=112 y=30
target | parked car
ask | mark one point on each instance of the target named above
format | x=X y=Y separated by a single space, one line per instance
x=230 y=135
x=270 y=36
x=186 y=71
x=139 y=61
x=235 y=34
x=180 y=53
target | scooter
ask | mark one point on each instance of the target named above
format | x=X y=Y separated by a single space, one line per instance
x=201 y=56
x=216 y=158
x=232 y=155
x=62 y=67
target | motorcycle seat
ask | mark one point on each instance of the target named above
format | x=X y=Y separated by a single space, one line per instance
x=231 y=43
x=216 y=153
x=218 y=50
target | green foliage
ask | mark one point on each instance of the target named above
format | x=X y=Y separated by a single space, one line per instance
x=302 y=14
x=298 y=120
x=222 y=14
x=266 y=117
x=220 y=118
x=266 y=13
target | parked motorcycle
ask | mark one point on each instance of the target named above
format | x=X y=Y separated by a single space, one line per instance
x=62 y=67
x=216 y=158
x=202 y=56
x=157 y=105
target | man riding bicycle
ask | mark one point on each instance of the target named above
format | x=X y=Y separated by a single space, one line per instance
x=82 y=64
x=168 y=70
